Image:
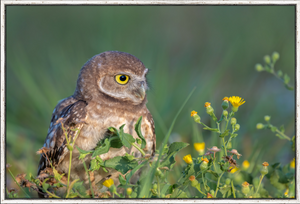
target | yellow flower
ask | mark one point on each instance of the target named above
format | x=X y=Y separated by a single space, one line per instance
x=236 y=101
x=292 y=164
x=193 y=113
x=188 y=159
x=108 y=183
x=199 y=147
x=234 y=170
x=286 y=193
x=207 y=104
x=246 y=164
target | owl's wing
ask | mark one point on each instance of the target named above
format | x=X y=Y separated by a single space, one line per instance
x=72 y=115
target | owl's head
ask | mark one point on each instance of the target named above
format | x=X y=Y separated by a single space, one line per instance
x=116 y=75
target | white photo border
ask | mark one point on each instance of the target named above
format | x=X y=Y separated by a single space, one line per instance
x=5 y=3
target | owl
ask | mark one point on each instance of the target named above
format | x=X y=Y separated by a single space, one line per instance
x=110 y=91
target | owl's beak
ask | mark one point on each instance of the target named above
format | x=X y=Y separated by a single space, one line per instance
x=140 y=92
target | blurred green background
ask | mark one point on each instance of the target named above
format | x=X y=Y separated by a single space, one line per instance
x=214 y=48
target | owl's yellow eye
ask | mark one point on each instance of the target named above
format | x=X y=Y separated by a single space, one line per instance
x=122 y=79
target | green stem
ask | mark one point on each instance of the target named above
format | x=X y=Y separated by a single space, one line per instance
x=261 y=178
x=232 y=186
x=158 y=187
x=218 y=183
x=203 y=182
x=224 y=146
x=18 y=183
x=70 y=161
x=138 y=148
x=198 y=188
x=283 y=135
x=218 y=126
x=204 y=125
x=91 y=187
x=53 y=195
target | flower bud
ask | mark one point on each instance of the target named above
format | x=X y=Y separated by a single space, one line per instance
x=154 y=186
x=193 y=180
x=275 y=56
x=267 y=59
x=259 y=126
x=267 y=118
x=204 y=164
x=129 y=191
x=197 y=118
x=264 y=169
x=259 y=67
x=225 y=104
x=70 y=148
x=237 y=127
x=212 y=192
x=229 y=145
x=225 y=113
x=245 y=188
x=233 y=121
x=113 y=189
x=227 y=181
x=209 y=110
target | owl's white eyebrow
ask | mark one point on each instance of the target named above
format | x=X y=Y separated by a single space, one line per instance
x=146 y=71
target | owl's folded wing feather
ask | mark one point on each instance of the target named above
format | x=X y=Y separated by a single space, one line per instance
x=71 y=114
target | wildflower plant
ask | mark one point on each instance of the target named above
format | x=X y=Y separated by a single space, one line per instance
x=215 y=171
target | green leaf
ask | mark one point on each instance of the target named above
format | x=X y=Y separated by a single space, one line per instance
x=121 y=164
x=282 y=128
x=96 y=163
x=57 y=176
x=83 y=153
x=211 y=129
x=273 y=128
x=130 y=174
x=213 y=173
x=102 y=149
x=293 y=143
x=114 y=130
x=225 y=133
x=233 y=135
x=122 y=180
x=126 y=139
x=224 y=189
x=286 y=79
x=280 y=136
x=79 y=187
x=138 y=131
x=177 y=193
x=116 y=143
x=287 y=86
x=45 y=185
x=175 y=147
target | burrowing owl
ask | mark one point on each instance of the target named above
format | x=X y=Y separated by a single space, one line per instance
x=111 y=91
